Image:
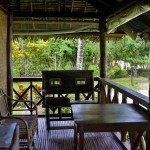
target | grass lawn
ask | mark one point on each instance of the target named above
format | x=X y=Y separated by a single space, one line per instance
x=139 y=83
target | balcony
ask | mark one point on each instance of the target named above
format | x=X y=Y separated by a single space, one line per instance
x=110 y=92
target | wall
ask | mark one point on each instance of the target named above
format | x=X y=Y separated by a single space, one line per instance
x=3 y=50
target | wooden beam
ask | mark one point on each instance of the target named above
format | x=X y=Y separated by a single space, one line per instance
x=85 y=22
x=56 y=14
x=18 y=4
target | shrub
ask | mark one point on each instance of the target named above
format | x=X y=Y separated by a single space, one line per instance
x=16 y=73
x=36 y=95
x=114 y=72
x=123 y=73
x=110 y=74
x=96 y=70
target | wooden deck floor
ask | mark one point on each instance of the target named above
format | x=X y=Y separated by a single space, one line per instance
x=63 y=139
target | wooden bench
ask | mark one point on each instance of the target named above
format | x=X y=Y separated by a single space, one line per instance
x=60 y=86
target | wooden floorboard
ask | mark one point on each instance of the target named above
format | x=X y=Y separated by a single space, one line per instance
x=63 y=139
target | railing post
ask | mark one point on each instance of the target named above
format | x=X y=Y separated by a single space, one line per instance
x=103 y=94
x=31 y=94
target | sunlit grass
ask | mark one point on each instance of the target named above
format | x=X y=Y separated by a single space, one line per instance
x=136 y=84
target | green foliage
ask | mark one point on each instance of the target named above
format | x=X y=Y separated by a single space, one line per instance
x=31 y=56
x=96 y=70
x=123 y=73
x=16 y=72
x=114 y=72
x=91 y=53
x=110 y=74
x=135 y=52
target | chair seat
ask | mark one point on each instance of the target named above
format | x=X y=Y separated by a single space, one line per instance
x=31 y=121
x=7 y=135
x=57 y=101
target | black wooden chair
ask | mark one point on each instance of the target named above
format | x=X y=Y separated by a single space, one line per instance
x=65 y=88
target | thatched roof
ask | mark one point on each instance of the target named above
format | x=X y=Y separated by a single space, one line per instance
x=80 y=17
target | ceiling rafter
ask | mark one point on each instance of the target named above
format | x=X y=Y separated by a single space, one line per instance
x=59 y=3
x=56 y=14
x=18 y=4
x=45 y=6
x=85 y=7
x=31 y=4
x=72 y=5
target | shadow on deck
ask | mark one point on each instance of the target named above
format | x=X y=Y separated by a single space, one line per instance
x=63 y=139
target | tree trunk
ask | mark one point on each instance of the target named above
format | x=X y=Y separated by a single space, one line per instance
x=79 y=61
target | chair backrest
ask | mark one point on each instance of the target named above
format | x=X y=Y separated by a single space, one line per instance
x=68 y=81
x=4 y=110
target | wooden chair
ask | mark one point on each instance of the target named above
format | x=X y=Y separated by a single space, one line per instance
x=58 y=85
x=28 y=121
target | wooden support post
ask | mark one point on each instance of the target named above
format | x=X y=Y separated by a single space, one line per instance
x=103 y=62
x=9 y=56
x=102 y=27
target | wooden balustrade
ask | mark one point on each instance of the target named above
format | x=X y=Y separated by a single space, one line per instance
x=112 y=92
x=31 y=86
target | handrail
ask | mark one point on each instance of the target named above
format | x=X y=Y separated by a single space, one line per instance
x=134 y=95
x=27 y=79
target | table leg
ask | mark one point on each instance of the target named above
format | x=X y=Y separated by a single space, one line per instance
x=75 y=137
x=81 y=140
x=147 y=140
x=132 y=140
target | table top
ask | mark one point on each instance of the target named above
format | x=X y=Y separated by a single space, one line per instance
x=111 y=114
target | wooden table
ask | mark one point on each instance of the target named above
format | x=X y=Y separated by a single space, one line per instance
x=109 y=118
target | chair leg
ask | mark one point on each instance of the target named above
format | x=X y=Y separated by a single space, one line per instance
x=60 y=113
x=47 y=118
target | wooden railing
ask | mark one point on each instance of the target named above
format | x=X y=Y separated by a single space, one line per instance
x=112 y=92
x=28 y=89
x=30 y=86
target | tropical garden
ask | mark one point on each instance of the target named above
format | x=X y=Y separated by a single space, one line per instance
x=127 y=59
